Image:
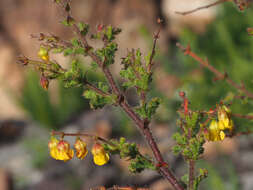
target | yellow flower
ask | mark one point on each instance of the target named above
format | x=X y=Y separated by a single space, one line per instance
x=52 y=145
x=43 y=54
x=65 y=153
x=60 y=150
x=214 y=133
x=100 y=157
x=80 y=147
x=224 y=119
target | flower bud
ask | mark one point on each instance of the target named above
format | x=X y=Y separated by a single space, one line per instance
x=100 y=157
x=80 y=147
x=44 y=82
x=250 y=31
x=43 y=54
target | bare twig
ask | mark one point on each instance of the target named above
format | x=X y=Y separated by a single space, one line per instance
x=250 y=117
x=156 y=37
x=143 y=125
x=219 y=75
x=202 y=7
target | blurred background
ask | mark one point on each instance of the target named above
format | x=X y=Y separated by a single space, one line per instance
x=28 y=113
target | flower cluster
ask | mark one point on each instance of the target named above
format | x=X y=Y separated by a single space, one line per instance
x=61 y=150
x=215 y=132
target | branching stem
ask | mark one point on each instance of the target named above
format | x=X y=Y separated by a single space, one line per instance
x=201 y=8
x=142 y=125
x=219 y=75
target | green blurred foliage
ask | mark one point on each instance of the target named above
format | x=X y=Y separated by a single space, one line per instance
x=229 y=49
x=36 y=102
x=223 y=178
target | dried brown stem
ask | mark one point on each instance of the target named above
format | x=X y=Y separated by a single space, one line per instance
x=201 y=8
x=219 y=75
x=141 y=124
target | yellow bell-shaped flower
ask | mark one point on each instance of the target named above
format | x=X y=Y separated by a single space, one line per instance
x=52 y=145
x=60 y=150
x=81 y=148
x=64 y=153
x=224 y=119
x=100 y=157
x=214 y=133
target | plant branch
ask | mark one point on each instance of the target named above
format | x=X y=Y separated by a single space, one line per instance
x=115 y=187
x=97 y=90
x=143 y=125
x=191 y=174
x=156 y=37
x=250 y=117
x=202 y=7
x=53 y=133
x=219 y=75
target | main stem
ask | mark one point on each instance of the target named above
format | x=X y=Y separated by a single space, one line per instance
x=191 y=174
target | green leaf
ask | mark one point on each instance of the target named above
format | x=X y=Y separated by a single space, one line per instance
x=75 y=42
x=139 y=164
x=69 y=21
x=107 y=54
x=83 y=27
x=68 y=51
x=97 y=100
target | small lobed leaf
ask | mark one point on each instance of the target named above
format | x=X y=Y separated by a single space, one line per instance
x=83 y=27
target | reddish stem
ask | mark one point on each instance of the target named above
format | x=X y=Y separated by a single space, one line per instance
x=219 y=75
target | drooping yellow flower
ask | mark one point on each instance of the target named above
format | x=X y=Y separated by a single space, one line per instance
x=43 y=54
x=100 y=157
x=52 y=145
x=224 y=119
x=60 y=150
x=214 y=133
x=81 y=148
x=64 y=153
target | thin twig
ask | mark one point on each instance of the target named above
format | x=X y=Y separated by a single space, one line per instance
x=219 y=75
x=202 y=7
x=250 y=117
x=97 y=90
x=156 y=37
x=53 y=133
